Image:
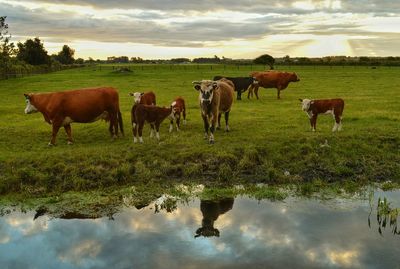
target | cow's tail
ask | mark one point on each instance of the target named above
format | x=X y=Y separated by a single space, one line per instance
x=120 y=122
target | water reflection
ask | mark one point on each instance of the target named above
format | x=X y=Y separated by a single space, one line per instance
x=211 y=210
x=295 y=233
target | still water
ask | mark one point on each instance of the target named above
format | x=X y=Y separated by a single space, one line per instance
x=228 y=233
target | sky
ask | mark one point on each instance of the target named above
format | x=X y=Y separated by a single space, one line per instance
x=237 y=29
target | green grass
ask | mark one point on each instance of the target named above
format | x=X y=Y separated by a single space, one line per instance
x=268 y=136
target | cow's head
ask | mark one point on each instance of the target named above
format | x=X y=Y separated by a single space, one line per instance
x=206 y=89
x=255 y=81
x=175 y=109
x=136 y=96
x=305 y=104
x=29 y=107
x=294 y=77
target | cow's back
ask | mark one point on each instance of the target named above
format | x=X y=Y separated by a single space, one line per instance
x=86 y=104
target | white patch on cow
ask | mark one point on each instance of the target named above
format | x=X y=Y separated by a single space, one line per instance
x=171 y=127
x=305 y=104
x=309 y=114
x=30 y=108
x=329 y=112
x=133 y=124
x=335 y=127
x=173 y=103
x=205 y=135
x=66 y=121
x=70 y=143
x=136 y=97
x=140 y=139
x=211 y=138
x=151 y=133
x=135 y=140
x=313 y=129
x=158 y=135
x=227 y=128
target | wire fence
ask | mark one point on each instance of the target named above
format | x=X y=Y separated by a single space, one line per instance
x=22 y=71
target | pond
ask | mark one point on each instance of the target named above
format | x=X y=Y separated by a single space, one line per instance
x=228 y=233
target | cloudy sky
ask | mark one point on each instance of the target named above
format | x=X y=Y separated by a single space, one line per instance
x=231 y=28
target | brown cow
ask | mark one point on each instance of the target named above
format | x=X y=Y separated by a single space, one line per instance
x=272 y=79
x=178 y=107
x=215 y=98
x=324 y=106
x=146 y=98
x=84 y=105
x=151 y=114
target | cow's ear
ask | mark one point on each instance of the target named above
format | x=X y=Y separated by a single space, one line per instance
x=301 y=100
x=312 y=102
x=141 y=94
x=27 y=96
x=197 y=87
x=215 y=85
x=131 y=94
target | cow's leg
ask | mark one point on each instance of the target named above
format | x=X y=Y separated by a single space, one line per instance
x=171 y=126
x=206 y=126
x=151 y=130
x=278 y=92
x=55 y=127
x=338 y=124
x=140 y=131
x=178 y=121
x=69 y=133
x=250 y=92
x=158 y=130
x=239 y=94
x=256 y=91
x=212 y=128
x=184 y=116
x=226 y=121
x=219 y=121
x=134 y=131
x=314 y=122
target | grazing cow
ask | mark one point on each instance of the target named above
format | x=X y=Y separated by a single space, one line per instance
x=324 y=106
x=272 y=79
x=146 y=98
x=85 y=105
x=215 y=98
x=211 y=210
x=178 y=107
x=241 y=84
x=151 y=114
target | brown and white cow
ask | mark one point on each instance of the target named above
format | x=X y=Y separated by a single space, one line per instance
x=178 y=107
x=271 y=79
x=215 y=98
x=324 y=106
x=151 y=114
x=144 y=98
x=60 y=109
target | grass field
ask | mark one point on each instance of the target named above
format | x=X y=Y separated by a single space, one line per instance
x=270 y=140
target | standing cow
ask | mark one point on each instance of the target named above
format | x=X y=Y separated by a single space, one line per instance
x=60 y=109
x=324 y=106
x=178 y=107
x=241 y=84
x=215 y=98
x=272 y=79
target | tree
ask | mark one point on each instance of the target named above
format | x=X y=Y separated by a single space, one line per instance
x=66 y=55
x=265 y=59
x=33 y=52
x=6 y=48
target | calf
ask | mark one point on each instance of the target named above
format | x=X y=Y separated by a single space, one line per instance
x=178 y=107
x=272 y=79
x=151 y=114
x=324 y=106
x=241 y=84
x=215 y=98
x=147 y=98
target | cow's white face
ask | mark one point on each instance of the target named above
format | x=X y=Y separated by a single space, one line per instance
x=206 y=89
x=305 y=104
x=136 y=96
x=29 y=107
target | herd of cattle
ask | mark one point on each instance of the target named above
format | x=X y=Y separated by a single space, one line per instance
x=216 y=96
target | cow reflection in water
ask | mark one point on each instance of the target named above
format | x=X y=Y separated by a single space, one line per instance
x=211 y=210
